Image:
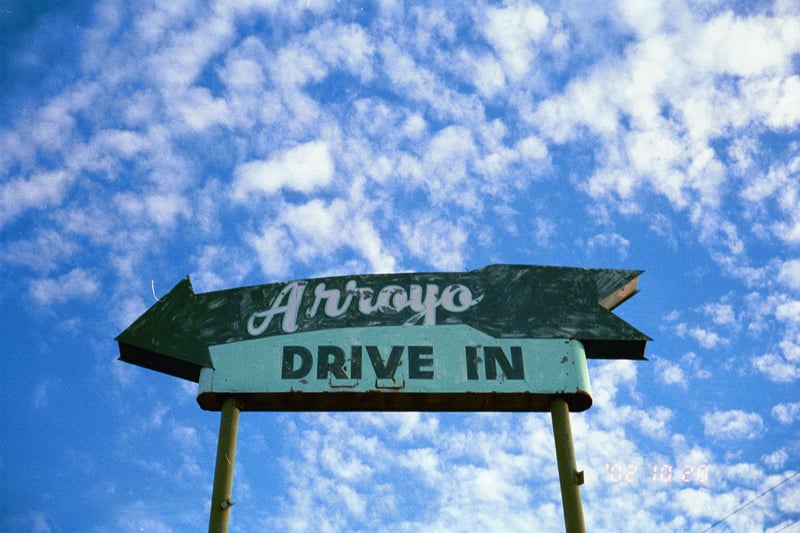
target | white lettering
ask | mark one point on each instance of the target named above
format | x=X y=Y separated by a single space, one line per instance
x=388 y=299
x=365 y=305
x=391 y=299
x=332 y=297
x=424 y=306
x=293 y=294
x=458 y=298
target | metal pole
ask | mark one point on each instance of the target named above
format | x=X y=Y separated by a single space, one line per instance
x=223 y=473
x=568 y=474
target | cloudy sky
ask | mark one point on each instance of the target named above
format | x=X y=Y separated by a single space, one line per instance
x=244 y=142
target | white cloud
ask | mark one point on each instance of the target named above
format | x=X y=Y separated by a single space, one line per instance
x=182 y=58
x=789 y=274
x=185 y=437
x=788 y=311
x=78 y=283
x=40 y=523
x=706 y=338
x=612 y=241
x=670 y=373
x=164 y=209
x=348 y=46
x=777 y=181
x=608 y=377
x=721 y=314
x=445 y=164
x=777 y=459
x=219 y=267
x=124 y=144
x=778 y=100
x=136 y=516
x=41 y=190
x=732 y=424
x=414 y=126
x=44 y=391
x=776 y=368
x=243 y=74
x=437 y=242
x=786 y=413
x=645 y=19
x=296 y=65
x=514 y=32
x=200 y=110
x=663 y=87
x=476 y=476
x=318 y=229
x=154 y=21
x=584 y=102
x=788 y=500
x=532 y=148
x=655 y=422
x=304 y=168
x=42 y=252
x=128 y=309
x=54 y=126
x=33 y=520
x=161 y=209
x=274 y=248
x=422 y=86
x=692 y=362
x=366 y=239
x=747 y=47
x=790 y=345
x=543 y=232
x=486 y=73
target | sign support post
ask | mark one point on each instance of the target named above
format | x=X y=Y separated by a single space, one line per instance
x=569 y=476
x=223 y=473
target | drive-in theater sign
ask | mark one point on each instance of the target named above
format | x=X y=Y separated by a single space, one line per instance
x=502 y=338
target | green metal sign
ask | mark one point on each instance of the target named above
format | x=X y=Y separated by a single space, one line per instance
x=505 y=337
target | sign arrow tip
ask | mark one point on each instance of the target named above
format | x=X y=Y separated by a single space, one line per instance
x=163 y=337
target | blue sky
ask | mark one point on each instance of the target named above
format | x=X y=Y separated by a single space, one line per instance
x=252 y=141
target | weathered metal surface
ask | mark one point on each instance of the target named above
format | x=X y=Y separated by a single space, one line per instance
x=222 y=489
x=447 y=368
x=176 y=334
x=569 y=477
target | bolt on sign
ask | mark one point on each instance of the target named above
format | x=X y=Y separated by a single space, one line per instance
x=501 y=338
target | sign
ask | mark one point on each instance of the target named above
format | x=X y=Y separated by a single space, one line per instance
x=505 y=337
x=447 y=368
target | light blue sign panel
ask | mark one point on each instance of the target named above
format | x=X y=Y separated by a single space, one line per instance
x=442 y=368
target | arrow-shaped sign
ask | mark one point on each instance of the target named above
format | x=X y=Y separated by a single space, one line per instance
x=503 y=301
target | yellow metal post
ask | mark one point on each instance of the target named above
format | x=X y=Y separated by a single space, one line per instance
x=568 y=474
x=223 y=473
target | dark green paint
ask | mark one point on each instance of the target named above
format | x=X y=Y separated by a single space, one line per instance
x=331 y=360
x=494 y=356
x=355 y=362
x=298 y=361
x=288 y=370
x=385 y=370
x=418 y=366
x=471 y=354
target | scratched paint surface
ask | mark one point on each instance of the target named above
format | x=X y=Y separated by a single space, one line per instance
x=176 y=335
